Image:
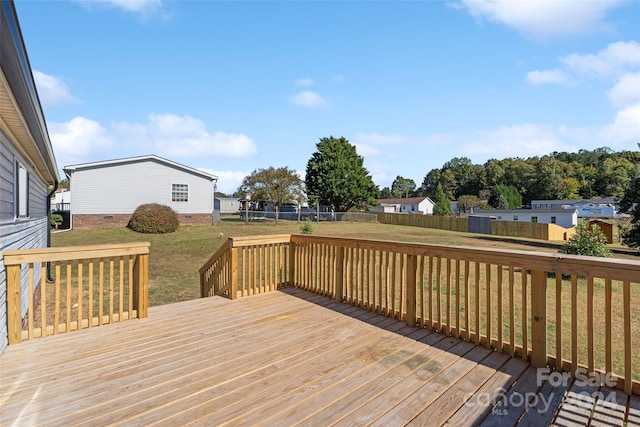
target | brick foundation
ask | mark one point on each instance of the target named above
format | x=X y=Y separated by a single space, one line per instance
x=83 y=221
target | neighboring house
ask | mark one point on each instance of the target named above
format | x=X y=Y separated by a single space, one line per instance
x=106 y=193
x=27 y=164
x=587 y=208
x=412 y=205
x=563 y=217
x=228 y=205
x=61 y=201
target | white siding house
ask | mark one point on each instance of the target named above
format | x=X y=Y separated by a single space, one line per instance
x=412 y=205
x=563 y=217
x=106 y=193
x=27 y=163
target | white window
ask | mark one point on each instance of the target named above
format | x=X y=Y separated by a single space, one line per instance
x=22 y=192
x=534 y=219
x=553 y=220
x=179 y=192
x=515 y=217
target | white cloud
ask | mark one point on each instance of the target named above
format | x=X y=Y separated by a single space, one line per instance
x=309 y=99
x=228 y=181
x=626 y=91
x=175 y=137
x=518 y=141
x=624 y=131
x=305 y=82
x=143 y=8
x=376 y=144
x=616 y=59
x=538 y=77
x=184 y=137
x=52 y=91
x=78 y=139
x=543 y=18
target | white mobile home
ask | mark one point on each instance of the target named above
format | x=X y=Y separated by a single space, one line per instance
x=106 y=193
x=563 y=217
x=27 y=164
x=411 y=205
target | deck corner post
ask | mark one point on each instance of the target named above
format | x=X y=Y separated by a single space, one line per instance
x=14 y=318
x=339 y=291
x=538 y=319
x=292 y=263
x=233 y=291
x=141 y=285
x=410 y=317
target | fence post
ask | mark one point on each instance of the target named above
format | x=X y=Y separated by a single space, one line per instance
x=410 y=318
x=339 y=295
x=233 y=294
x=538 y=319
x=14 y=319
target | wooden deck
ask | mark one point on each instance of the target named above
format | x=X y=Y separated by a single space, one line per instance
x=282 y=358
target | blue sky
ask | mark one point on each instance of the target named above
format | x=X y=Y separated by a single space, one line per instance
x=230 y=87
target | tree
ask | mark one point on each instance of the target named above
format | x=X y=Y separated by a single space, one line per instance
x=501 y=202
x=275 y=186
x=588 y=240
x=510 y=193
x=336 y=176
x=467 y=202
x=630 y=204
x=442 y=206
x=403 y=187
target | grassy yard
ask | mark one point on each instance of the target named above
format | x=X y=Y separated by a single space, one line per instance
x=175 y=258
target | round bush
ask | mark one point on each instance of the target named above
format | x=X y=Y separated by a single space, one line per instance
x=154 y=218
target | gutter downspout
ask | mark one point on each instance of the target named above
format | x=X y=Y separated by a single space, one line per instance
x=51 y=193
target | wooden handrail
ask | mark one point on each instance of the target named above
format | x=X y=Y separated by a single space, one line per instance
x=514 y=301
x=93 y=285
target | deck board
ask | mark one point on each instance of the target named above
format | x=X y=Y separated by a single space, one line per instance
x=282 y=358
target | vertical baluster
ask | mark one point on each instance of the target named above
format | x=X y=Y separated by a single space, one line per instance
x=590 y=363
x=422 y=260
x=90 y=299
x=130 y=287
x=467 y=298
x=43 y=299
x=101 y=294
x=607 y=326
x=30 y=295
x=626 y=301
x=499 y=322
x=525 y=338
x=448 y=299
x=457 y=304
x=68 y=277
x=558 y=321
x=512 y=314
x=56 y=313
x=111 y=288
x=80 y=293
x=477 y=300
x=487 y=268
x=438 y=293
x=574 y=323
x=431 y=320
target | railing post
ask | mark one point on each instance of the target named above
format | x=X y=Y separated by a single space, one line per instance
x=410 y=317
x=233 y=292
x=538 y=319
x=339 y=295
x=292 y=263
x=14 y=319
x=141 y=285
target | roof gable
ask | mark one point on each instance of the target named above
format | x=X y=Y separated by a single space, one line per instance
x=148 y=158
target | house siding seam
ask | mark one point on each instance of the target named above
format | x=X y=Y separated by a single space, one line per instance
x=121 y=188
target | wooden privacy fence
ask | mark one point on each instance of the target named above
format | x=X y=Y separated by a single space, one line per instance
x=566 y=312
x=92 y=285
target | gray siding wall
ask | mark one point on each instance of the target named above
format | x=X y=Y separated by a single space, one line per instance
x=15 y=233
x=120 y=189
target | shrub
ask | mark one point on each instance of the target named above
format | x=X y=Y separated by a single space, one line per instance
x=588 y=240
x=154 y=218
x=56 y=220
x=306 y=227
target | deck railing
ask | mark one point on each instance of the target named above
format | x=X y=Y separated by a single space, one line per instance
x=92 y=285
x=570 y=313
